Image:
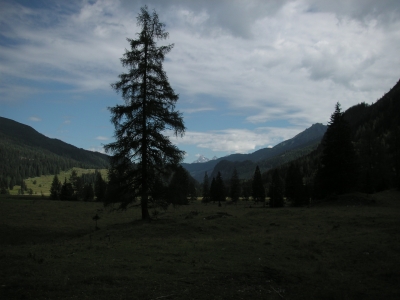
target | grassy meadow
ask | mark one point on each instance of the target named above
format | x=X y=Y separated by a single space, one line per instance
x=41 y=185
x=348 y=249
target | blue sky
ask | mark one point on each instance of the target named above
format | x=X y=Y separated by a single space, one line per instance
x=250 y=74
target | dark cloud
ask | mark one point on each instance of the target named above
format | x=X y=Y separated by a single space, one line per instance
x=383 y=11
x=233 y=16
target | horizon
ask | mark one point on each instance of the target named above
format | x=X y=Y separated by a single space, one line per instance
x=249 y=75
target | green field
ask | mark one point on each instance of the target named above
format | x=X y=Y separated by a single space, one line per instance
x=41 y=185
x=345 y=250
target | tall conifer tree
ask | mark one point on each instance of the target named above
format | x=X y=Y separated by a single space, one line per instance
x=149 y=111
x=206 y=188
x=55 y=188
x=258 y=191
x=338 y=169
x=276 y=191
x=219 y=189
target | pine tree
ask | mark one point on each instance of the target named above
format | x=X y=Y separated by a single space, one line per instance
x=67 y=191
x=206 y=189
x=219 y=189
x=120 y=185
x=77 y=185
x=149 y=111
x=213 y=191
x=179 y=187
x=235 y=186
x=55 y=188
x=258 y=191
x=276 y=191
x=294 y=187
x=100 y=187
x=338 y=170
x=87 y=192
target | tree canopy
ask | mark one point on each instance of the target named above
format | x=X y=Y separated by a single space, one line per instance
x=142 y=149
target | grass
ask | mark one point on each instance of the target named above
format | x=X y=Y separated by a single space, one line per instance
x=41 y=185
x=51 y=250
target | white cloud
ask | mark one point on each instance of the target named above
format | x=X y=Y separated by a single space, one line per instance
x=196 y=110
x=102 y=138
x=261 y=60
x=237 y=140
x=35 y=119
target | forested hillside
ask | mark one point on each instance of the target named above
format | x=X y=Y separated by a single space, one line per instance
x=265 y=158
x=375 y=136
x=246 y=168
x=24 y=153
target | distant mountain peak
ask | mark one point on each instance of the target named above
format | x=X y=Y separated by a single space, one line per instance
x=203 y=159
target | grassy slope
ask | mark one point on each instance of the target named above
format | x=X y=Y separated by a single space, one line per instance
x=49 y=250
x=43 y=183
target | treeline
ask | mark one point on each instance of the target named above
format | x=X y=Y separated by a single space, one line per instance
x=86 y=187
x=360 y=152
x=176 y=189
x=275 y=188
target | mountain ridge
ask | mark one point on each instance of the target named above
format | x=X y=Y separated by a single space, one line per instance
x=24 y=152
x=313 y=134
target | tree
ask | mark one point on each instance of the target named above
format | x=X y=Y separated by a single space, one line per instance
x=55 y=188
x=206 y=189
x=219 y=189
x=235 y=186
x=294 y=187
x=100 y=187
x=87 y=192
x=67 y=191
x=120 y=184
x=149 y=111
x=338 y=169
x=276 y=191
x=178 y=189
x=258 y=191
x=213 y=193
x=77 y=185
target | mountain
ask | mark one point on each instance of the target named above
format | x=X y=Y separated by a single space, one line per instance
x=24 y=152
x=375 y=132
x=203 y=159
x=245 y=164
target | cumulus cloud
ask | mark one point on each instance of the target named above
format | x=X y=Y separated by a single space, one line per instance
x=261 y=60
x=237 y=140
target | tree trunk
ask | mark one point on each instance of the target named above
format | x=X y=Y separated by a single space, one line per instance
x=144 y=201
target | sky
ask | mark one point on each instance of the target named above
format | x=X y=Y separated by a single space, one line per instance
x=249 y=74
